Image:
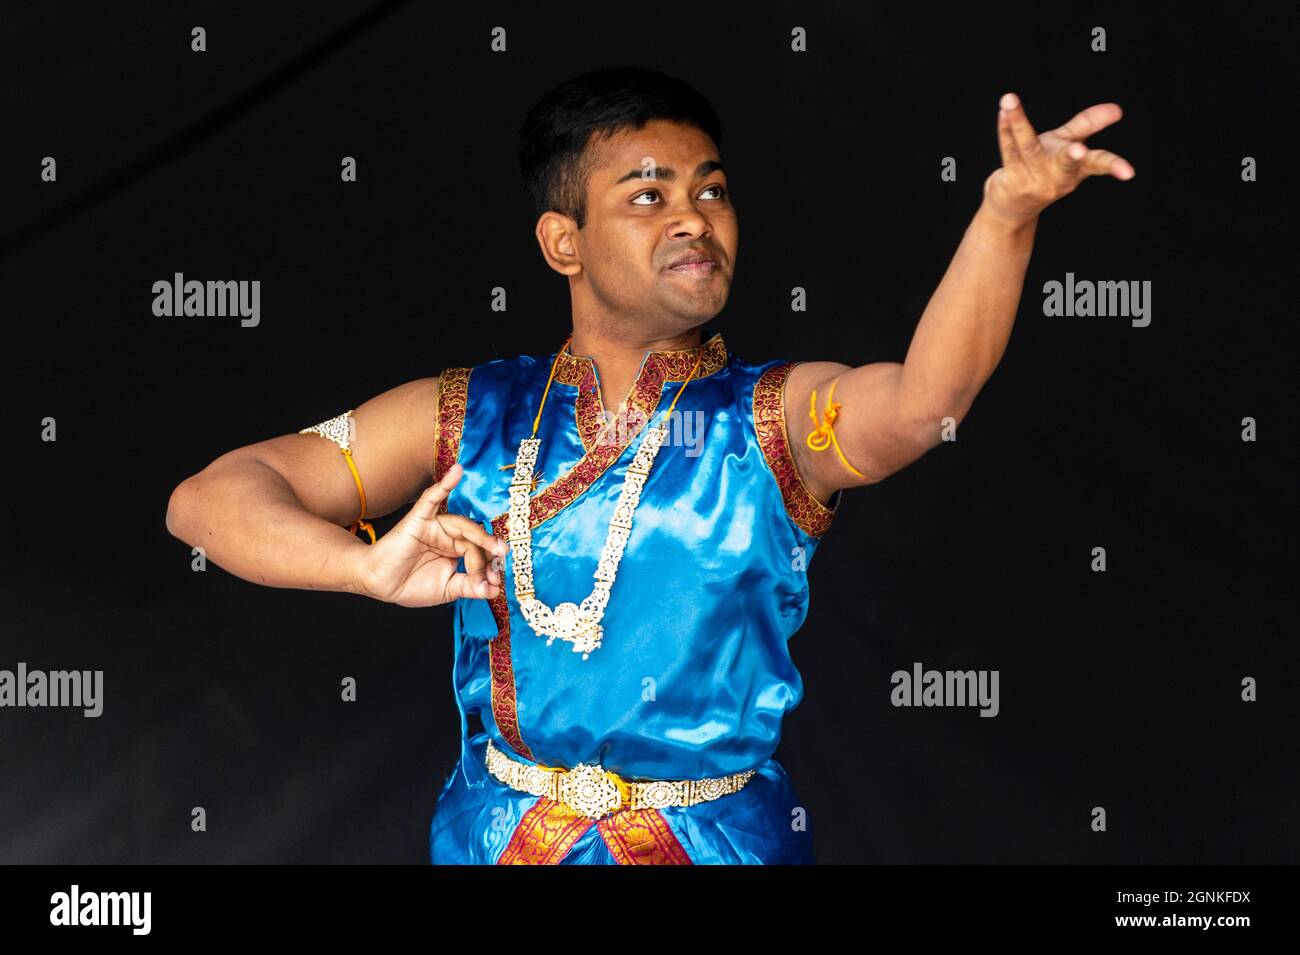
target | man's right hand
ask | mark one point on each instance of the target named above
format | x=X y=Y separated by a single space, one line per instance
x=414 y=564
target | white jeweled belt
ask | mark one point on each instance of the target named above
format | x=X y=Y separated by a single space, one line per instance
x=596 y=792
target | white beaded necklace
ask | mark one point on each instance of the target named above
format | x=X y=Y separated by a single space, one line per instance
x=578 y=624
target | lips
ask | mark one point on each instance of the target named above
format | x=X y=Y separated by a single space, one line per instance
x=694 y=263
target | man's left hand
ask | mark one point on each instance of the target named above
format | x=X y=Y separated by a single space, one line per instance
x=1039 y=169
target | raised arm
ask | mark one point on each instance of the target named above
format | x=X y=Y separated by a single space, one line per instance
x=890 y=413
x=276 y=512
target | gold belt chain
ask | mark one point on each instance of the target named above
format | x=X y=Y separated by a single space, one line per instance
x=596 y=792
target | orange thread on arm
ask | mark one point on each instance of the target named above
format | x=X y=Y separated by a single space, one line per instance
x=823 y=435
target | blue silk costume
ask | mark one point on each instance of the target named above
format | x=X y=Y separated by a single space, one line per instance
x=693 y=675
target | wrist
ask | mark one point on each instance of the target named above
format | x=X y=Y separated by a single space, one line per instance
x=1012 y=227
x=347 y=570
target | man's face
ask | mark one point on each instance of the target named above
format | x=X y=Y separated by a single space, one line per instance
x=655 y=195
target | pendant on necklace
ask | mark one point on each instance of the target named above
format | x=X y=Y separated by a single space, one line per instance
x=578 y=624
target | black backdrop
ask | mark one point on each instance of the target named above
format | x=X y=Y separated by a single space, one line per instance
x=1119 y=690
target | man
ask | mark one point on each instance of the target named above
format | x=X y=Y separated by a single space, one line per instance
x=626 y=584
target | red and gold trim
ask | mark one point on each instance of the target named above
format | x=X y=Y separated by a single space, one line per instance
x=549 y=829
x=642 y=402
x=453 y=390
x=545 y=834
x=589 y=409
x=810 y=514
x=642 y=837
x=505 y=709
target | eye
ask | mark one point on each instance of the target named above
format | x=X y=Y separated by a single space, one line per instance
x=722 y=193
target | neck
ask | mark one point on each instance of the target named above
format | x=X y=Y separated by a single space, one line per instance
x=619 y=358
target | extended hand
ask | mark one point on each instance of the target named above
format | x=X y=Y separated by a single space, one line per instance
x=1038 y=170
x=414 y=564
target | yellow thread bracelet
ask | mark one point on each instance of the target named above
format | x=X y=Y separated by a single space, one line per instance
x=823 y=435
x=360 y=522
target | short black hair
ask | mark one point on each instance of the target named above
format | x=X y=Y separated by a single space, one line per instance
x=553 y=155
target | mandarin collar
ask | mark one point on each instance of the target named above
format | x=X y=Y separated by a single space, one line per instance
x=660 y=366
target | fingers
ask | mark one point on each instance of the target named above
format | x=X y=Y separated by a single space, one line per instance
x=481 y=576
x=426 y=506
x=476 y=565
x=463 y=585
x=1070 y=158
x=459 y=527
x=1103 y=162
x=1007 y=142
x=455 y=526
x=1025 y=137
x=1090 y=120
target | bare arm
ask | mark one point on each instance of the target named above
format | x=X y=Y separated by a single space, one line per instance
x=894 y=412
x=275 y=512
x=891 y=412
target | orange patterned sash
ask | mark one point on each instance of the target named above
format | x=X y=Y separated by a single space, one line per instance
x=549 y=829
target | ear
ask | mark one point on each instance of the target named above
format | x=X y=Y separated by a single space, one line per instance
x=555 y=235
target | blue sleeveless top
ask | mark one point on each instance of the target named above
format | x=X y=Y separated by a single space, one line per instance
x=694 y=674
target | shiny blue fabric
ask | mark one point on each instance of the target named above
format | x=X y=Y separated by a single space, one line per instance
x=694 y=674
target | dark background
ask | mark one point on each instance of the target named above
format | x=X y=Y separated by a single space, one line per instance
x=1119 y=690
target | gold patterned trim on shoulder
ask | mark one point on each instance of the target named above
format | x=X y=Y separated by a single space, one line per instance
x=810 y=514
x=453 y=390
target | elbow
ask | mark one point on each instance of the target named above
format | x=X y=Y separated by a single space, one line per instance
x=178 y=507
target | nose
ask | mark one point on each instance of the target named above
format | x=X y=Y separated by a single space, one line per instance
x=688 y=223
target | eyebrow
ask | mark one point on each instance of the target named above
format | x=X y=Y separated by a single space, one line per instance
x=666 y=174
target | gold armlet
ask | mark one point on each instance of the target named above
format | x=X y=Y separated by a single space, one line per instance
x=339 y=430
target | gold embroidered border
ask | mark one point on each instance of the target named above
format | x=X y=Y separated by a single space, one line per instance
x=453 y=391
x=505 y=708
x=641 y=837
x=549 y=829
x=564 y=490
x=812 y=516
x=589 y=410
x=545 y=834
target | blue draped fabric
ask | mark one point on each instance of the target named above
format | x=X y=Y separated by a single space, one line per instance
x=694 y=674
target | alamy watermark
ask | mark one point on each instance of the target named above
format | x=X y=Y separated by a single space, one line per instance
x=683 y=427
x=180 y=297
x=83 y=688
x=1126 y=299
x=946 y=688
x=75 y=907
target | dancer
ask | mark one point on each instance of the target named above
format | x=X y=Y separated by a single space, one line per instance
x=625 y=523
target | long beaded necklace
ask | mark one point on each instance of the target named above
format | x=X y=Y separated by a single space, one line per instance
x=578 y=624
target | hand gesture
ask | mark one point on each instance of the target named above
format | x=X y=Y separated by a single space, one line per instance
x=414 y=564
x=1037 y=170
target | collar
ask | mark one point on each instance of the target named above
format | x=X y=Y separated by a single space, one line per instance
x=657 y=367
